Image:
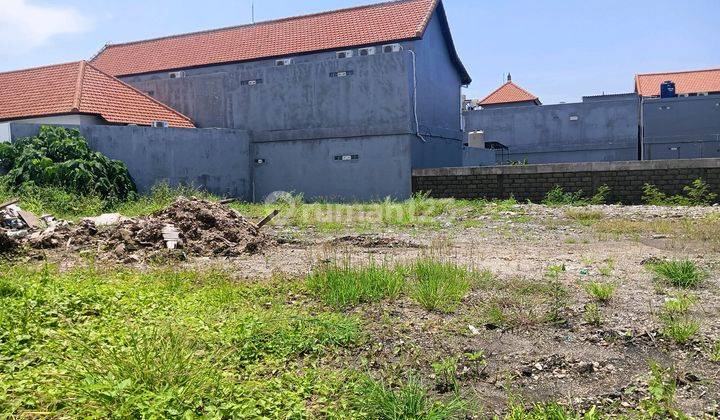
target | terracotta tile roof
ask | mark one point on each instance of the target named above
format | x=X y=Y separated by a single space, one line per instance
x=509 y=93
x=79 y=88
x=365 y=25
x=685 y=82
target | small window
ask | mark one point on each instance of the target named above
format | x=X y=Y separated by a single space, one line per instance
x=344 y=54
x=177 y=75
x=283 y=62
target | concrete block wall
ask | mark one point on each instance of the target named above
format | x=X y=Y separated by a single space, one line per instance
x=532 y=182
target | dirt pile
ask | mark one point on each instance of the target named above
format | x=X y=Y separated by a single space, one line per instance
x=7 y=244
x=201 y=228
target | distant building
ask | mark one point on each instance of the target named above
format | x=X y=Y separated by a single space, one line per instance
x=509 y=95
x=687 y=83
x=78 y=94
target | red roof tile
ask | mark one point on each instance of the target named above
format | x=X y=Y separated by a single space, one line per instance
x=509 y=93
x=365 y=25
x=79 y=88
x=685 y=82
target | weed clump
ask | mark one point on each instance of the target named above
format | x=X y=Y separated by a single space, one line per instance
x=678 y=325
x=601 y=292
x=559 y=197
x=440 y=285
x=696 y=194
x=409 y=401
x=679 y=273
x=343 y=286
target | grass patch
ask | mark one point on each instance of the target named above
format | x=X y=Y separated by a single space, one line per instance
x=559 y=197
x=679 y=273
x=548 y=411
x=343 y=286
x=601 y=292
x=678 y=325
x=438 y=285
x=715 y=352
x=519 y=302
x=90 y=343
x=584 y=217
x=410 y=401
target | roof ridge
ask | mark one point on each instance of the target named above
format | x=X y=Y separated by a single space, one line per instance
x=524 y=91
x=79 y=87
x=676 y=72
x=266 y=22
x=46 y=66
x=115 y=79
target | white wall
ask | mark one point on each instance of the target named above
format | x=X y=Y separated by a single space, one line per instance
x=4 y=132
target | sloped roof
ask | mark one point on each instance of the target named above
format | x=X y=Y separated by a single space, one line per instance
x=358 y=26
x=509 y=93
x=79 y=88
x=695 y=81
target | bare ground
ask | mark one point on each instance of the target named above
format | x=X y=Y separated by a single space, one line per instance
x=570 y=361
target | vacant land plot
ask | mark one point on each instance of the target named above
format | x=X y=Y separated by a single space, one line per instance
x=422 y=309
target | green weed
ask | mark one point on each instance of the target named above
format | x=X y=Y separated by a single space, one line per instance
x=696 y=194
x=343 y=286
x=679 y=273
x=411 y=401
x=601 y=292
x=446 y=372
x=678 y=325
x=715 y=352
x=661 y=388
x=549 y=411
x=438 y=285
x=559 y=197
x=593 y=315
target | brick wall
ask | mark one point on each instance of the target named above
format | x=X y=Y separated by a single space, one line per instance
x=532 y=182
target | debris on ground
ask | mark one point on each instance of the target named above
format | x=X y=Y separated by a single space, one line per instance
x=190 y=226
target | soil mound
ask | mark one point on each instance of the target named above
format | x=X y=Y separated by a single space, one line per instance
x=197 y=227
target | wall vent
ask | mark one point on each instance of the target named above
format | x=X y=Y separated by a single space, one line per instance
x=345 y=73
x=160 y=124
x=283 y=62
x=176 y=74
x=347 y=158
x=251 y=82
x=391 y=48
x=363 y=52
x=344 y=54
x=703 y=93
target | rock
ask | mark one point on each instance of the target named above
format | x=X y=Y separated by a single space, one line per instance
x=585 y=368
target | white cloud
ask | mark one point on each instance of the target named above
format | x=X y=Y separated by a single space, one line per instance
x=25 y=25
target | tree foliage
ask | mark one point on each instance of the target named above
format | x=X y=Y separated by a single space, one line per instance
x=60 y=157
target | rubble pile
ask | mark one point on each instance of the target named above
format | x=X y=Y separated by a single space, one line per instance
x=198 y=227
x=190 y=226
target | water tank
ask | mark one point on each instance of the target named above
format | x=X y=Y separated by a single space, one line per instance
x=667 y=90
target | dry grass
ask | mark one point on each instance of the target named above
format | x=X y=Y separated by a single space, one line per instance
x=706 y=229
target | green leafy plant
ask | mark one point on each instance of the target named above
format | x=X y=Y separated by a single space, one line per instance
x=61 y=158
x=446 y=372
x=548 y=411
x=558 y=197
x=592 y=315
x=661 y=387
x=696 y=194
x=679 y=273
x=478 y=361
x=601 y=292
x=715 y=352
x=343 y=285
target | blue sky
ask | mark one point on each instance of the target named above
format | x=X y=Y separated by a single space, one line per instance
x=558 y=50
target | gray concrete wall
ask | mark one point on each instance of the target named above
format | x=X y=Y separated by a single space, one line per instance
x=376 y=167
x=682 y=128
x=70 y=119
x=215 y=160
x=605 y=130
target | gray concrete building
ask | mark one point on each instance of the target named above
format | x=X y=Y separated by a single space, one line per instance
x=343 y=114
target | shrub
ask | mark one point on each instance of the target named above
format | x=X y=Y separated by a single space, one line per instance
x=440 y=285
x=558 y=197
x=59 y=157
x=343 y=286
x=696 y=194
x=602 y=292
x=679 y=273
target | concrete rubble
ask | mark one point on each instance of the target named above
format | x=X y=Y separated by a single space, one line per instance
x=188 y=227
